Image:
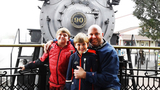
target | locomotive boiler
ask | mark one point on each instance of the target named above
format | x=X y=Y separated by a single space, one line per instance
x=77 y=16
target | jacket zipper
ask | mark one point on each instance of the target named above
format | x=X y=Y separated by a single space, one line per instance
x=84 y=64
x=57 y=67
x=80 y=66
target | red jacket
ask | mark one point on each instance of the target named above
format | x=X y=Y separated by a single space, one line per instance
x=58 y=63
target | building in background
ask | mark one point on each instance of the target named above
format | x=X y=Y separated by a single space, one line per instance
x=128 y=35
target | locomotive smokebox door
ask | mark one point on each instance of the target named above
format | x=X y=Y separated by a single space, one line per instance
x=77 y=16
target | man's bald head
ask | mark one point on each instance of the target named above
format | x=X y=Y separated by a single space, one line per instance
x=96 y=27
x=95 y=35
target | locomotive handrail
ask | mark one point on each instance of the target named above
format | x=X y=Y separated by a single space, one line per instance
x=21 y=45
x=10 y=68
x=42 y=45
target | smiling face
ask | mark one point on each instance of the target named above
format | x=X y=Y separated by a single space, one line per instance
x=95 y=35
x=62 y=37
x=81 y=42
x=81 y=47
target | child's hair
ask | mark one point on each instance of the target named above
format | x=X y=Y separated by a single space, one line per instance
x=63 y=30
x=81 y=38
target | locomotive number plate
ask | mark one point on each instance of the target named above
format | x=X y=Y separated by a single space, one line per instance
x=78 y=20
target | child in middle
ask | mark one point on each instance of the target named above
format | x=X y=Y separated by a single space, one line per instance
x=83 y=57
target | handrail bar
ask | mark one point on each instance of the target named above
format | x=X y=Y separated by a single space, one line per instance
x=21 y=45
x=135 y=47
x=10 y=68
x=42 y=45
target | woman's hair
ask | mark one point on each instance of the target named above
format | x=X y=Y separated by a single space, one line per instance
x=81 y=38
x=63 y=30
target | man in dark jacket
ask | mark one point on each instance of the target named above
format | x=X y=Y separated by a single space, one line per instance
x=107 y=76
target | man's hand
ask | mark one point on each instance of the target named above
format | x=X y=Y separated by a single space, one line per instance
x=46 y=46
x=80 y=73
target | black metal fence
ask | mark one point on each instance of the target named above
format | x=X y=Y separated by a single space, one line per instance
x=131 y=79
x=140 y=81
x=26 y=80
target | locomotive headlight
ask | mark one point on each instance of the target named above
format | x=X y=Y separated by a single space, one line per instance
x=78 y=20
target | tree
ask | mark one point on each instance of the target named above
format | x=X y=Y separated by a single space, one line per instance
x=148 y=11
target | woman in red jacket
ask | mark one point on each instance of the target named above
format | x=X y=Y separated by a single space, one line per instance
x=58 y=53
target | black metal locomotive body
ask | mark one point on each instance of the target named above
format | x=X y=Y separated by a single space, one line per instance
x=77 y=16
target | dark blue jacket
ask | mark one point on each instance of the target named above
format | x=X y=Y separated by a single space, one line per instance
x=88 y=61
x=107 y=76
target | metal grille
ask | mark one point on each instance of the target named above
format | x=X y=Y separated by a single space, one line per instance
x=19 y=81
x=140 y=81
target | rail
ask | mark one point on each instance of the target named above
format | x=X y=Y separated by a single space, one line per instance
x=21 y=45
x=42 y=45
x=135 y=47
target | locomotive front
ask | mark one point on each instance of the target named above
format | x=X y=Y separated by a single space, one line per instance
x=77 y=16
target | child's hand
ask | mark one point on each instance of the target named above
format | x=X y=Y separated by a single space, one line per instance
x=79 y=73
x=22 y=67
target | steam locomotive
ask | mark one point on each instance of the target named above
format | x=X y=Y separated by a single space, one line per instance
x=77 y=16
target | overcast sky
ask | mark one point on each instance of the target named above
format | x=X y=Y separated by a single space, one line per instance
x=25 y=14
x=20 y=14
x=124 y=18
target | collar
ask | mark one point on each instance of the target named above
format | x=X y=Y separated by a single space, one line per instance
x=83 y=52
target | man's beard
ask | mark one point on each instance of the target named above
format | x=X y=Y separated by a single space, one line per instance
x=95 y=42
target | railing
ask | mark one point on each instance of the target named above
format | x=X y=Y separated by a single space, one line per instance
x=139 y=76
x=21 y=45
x=25 y=80
x=131 y=77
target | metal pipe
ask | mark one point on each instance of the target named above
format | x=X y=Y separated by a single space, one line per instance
x=17 y=34
x=42 y=45
x=135 y=47
x=21 y=45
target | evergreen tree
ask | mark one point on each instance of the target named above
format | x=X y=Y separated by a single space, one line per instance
x=148 y=11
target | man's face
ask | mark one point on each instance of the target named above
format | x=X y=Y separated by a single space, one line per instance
x=95 y=37
x=81 y=47
x=62 y=38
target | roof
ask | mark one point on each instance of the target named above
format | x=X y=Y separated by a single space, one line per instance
x=137 y=37
x=126 y=34
x=127 y=29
